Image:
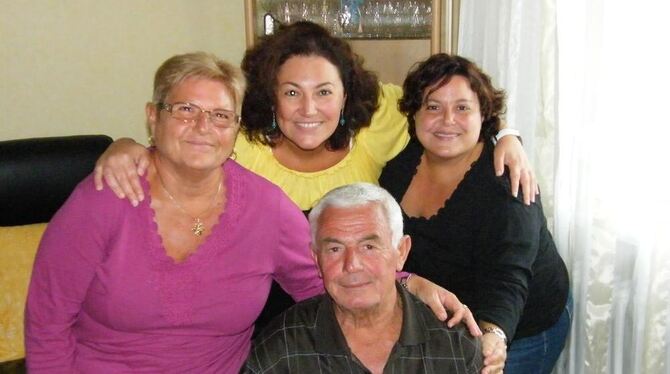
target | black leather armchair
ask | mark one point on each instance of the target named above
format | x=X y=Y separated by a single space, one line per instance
x=36 y=177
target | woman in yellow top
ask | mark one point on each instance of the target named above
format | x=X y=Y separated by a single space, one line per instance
x=313 y=119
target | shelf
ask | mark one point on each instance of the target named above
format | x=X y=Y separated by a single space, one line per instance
x=349 y=19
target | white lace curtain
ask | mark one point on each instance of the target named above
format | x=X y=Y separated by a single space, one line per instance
x=588 y=85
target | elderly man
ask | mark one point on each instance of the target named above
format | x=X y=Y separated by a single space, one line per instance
x=366 y=322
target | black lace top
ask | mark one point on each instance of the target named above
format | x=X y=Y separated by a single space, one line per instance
x=485 y=246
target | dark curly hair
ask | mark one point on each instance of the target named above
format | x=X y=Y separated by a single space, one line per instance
x=261 y=65
x=436 y=72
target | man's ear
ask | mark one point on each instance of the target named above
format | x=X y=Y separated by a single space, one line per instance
x=316 y=259
x=403 y=251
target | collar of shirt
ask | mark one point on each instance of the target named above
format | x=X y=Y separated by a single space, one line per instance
x=331 y=340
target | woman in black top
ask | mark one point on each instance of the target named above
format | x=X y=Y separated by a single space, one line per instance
x=469 y=234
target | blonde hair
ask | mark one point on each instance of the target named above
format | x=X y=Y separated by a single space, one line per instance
x=178 y=68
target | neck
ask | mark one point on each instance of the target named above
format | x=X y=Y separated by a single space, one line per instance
x=372 y=334
x=381 y=317
x=307 y=160
x=186 y=184
x=444 y=169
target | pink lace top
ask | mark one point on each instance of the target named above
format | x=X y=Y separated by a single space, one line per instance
x=105 y=297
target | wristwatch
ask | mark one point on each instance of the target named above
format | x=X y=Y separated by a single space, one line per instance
x=495 y=330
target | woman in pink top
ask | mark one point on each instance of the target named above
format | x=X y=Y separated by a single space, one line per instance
x=175 y=284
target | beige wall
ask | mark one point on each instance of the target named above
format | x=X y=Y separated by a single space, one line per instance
x=86 y=67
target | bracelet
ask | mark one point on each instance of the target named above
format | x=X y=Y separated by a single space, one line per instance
x=497 y=331
x=404 y=280
x=507 y=131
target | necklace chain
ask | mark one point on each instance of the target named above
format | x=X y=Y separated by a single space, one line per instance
x=198 y=226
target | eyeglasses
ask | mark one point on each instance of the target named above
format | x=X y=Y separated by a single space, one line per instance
x=188 y=112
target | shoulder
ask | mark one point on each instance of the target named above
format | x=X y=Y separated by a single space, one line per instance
x=483 y=176
x=86 y=201
x=399 y=171
x=440 y=333
x=257 y=192
x=407 y=159
x=301 y=315
x=289 y=333
x=250 y=181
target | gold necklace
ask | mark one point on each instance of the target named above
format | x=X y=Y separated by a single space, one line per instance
x=198 y=226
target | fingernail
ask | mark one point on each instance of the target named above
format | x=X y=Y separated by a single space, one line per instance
x=133 y=202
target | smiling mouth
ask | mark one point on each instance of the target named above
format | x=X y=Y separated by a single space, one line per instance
x=443 y=135
x=355 y=284
x=307 y=125
x=199 y=144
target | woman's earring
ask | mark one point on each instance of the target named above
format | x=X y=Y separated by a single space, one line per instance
x=342 y=120
x=273 y=125
x=151 y=140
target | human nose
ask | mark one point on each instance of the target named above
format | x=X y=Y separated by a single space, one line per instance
x=352 y=261
x=202 y=119
x=308 y=105
x=448 y=116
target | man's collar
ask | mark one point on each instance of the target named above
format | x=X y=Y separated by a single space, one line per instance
x=331 y=340
x=329 y=337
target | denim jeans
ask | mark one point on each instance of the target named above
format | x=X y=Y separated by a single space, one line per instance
x=537 y=354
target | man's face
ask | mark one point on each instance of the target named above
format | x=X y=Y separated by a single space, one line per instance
x=355 y=256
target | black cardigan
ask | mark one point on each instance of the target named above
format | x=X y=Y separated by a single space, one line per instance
x=485 y=246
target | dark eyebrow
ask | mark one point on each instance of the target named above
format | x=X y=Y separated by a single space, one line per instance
x=317 y=86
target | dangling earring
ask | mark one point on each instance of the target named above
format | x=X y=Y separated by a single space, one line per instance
x=273 y=125
x=151 y=140
x=342 y=120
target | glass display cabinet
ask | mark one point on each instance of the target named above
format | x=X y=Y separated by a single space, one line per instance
x=391 y=35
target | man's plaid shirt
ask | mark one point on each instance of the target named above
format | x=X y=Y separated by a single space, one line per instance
x=307 y=339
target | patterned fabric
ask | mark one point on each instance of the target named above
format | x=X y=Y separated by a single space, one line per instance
x=18 y=246
x=371 y=149
x=307 y=339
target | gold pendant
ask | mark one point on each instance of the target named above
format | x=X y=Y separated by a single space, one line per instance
x=198 y=228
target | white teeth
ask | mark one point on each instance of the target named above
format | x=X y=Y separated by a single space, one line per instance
x=308 y=125
x=445 y=135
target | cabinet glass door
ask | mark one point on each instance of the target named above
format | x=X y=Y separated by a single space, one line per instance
x=391 y=35
x=352 y=19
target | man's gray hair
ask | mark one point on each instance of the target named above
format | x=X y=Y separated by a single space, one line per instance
x=358 y=194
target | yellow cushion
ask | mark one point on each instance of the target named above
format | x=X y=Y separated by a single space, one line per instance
x=18 y=245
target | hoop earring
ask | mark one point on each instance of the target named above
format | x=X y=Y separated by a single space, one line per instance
x=342 y=120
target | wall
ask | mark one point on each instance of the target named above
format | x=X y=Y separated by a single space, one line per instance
x=86 y=67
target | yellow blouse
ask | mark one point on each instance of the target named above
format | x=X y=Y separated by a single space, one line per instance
x=370 y=150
